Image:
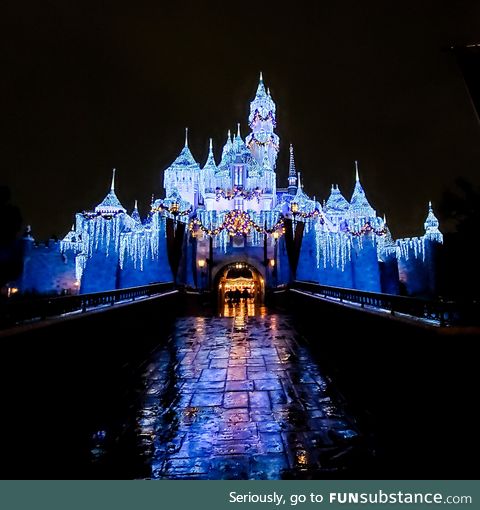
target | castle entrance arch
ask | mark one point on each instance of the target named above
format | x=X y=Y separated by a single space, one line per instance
x=239 y=281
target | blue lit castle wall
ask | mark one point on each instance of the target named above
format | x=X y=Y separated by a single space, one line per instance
x=234 y=212
x=46 y=268
x=116 y=250
x=354 y=248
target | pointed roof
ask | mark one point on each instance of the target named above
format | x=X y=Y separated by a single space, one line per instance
x=301 y=198
x=238 y=143
x=135 y=214
x=110 y=204
x=185 y=159
x=431 y=225
x=388 y=241
x=336 y=202
x=227 y=151
x=359 y=205
x=210 y=163
x=262 y=104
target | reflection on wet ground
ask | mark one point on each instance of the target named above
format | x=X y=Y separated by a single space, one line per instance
x=245 y=307
x=242 y=398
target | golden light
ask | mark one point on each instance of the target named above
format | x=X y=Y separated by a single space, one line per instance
x=294 y=207
x=272 y=262
x=201 y=263
x=11 y=290
x=275 y=235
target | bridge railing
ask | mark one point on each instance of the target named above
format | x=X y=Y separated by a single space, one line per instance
x=445 y=312
x=23 y=310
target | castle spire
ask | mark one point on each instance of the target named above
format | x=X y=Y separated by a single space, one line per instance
x=431 y=226
x=110 y=204
x=292 y=174
x=292 y=170
x=262 y=122
x=135 y=214
x=210 y=146
x=186 y=137
x=359 y=205
x=238 y=129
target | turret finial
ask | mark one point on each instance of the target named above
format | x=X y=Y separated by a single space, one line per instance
x=357 y=178
x=238 y=128
x=136 y=204
x=429 y=204
x=261 y=76
x=384 y=218
x=299 y=181
x=112 y=187
x=186 y=137
x=210 y=146
x=268 y=91
x=228 y=135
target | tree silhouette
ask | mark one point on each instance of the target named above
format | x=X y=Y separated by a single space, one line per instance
x=459 y=270
x=10 y=246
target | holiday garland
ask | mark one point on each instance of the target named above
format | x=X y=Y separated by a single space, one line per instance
x=91 y=215
x=236 y=192
x=237 y=222
x=269 y=141
x=173 y=209
x=366 y=229
x=258 y=117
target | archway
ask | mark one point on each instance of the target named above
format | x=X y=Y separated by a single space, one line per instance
x=239 y=282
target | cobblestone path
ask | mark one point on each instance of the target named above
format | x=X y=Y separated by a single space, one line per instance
x=242 y=398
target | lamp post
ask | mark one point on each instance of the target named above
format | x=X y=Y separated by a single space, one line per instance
x=201 y=265
x=294 y=209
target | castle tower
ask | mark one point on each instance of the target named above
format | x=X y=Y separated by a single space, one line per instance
x=262 y=141
x=359 y=205
x=110 y=204
x=292 y=174
x=183 y=175
x=431 y=226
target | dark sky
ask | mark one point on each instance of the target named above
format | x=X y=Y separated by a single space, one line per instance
x=86 y=87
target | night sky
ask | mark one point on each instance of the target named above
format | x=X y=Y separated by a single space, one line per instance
x=86 y=87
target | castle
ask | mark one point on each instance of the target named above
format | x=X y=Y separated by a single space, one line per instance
x=229 y=220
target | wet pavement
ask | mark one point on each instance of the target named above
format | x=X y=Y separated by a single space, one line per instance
x=241 y=398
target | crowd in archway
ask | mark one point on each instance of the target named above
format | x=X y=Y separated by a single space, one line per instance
x=236 y=295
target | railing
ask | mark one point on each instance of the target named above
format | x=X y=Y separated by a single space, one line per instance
x=444 y=312
x=22 y=310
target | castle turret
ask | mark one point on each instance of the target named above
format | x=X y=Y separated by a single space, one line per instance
x=262 y=141
x=183 y=175
x=431 y=226
x=110 y=204
x=292 y=174
x=207 y=178
x=359 y=205
x=135 y=214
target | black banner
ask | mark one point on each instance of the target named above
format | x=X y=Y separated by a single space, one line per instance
x=175 y=234
x=293 y=243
